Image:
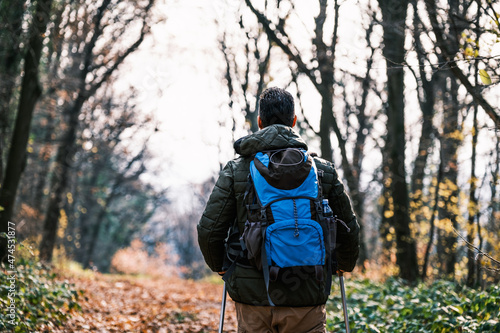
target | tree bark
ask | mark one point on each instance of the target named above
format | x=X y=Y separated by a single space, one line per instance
x=394 y=15
x=492 y=227
x=473 y=271
x=30 y=91
x=448 y=212
x=426 y=101
x=432 y=222
x=472 y=207
x=10 y=57
x=59 y=181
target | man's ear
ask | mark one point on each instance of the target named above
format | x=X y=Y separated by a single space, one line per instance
x=294 y=120
x=259 y=122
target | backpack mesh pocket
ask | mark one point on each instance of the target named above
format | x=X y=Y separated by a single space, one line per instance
x=252 y=237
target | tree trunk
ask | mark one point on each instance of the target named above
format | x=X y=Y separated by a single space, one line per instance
x=30 y=91
x=394 y=15
x=426 y=101
x=358 y=197
x=492 y=227
x=44 y=165
x=447 y=240
x=432 y=222
x=45 y=109
x=59 y=181
x=95 y=234
x=10 y=57
x=386 y=209
x=472 y=207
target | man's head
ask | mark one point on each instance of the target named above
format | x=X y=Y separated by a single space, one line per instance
x=276 y=106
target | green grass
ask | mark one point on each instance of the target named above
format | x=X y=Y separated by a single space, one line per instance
x=392 y=306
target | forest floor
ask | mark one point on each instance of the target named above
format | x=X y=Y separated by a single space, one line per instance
x=115 y=303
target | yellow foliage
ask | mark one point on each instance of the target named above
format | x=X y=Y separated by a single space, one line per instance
x=445 y=225
x=485 y=77
x=472 y=208
x=451 y=185
x=468 y=52
x=388 y=182
x=69 y=196
x=457 y=135
x=63 y=223
x=426 y=211
x=388 y=214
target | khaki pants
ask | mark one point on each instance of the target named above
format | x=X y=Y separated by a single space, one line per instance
x=280 y=319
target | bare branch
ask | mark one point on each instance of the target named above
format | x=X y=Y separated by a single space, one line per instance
x=479 y=252
x=282 y=42
x=452 y=64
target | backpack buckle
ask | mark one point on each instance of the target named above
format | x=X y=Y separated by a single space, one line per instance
x=263 y=215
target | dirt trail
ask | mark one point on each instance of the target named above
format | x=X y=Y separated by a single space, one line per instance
x=124 y=304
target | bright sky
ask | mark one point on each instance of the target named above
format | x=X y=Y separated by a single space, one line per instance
x=178 y=73
x=179 y=82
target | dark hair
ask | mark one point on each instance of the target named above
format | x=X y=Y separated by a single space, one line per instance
x=276 y=106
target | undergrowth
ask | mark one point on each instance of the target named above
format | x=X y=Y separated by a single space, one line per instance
x=32 y=299
x=392 y=306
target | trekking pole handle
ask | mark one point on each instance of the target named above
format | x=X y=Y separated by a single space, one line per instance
x=344 y=303
x=222 y=309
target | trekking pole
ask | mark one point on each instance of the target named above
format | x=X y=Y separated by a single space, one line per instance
x=222 y=309
x=344 y=303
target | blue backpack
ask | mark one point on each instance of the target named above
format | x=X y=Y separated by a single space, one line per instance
x=290 y=225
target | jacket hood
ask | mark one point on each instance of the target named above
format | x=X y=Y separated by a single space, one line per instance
x=271 y=137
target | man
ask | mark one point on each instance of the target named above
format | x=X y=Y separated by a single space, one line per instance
x=299 y=297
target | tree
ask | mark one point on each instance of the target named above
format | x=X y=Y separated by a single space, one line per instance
x=247 y=80
x=462 y=32
x=394 y=15
x=448 y=31
x=107 y=197
x=426 y=97
x=11 y=35
x=101 y=23
x=451 y=137
x=30 y=92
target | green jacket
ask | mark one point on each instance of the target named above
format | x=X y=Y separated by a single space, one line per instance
x=226 y=204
